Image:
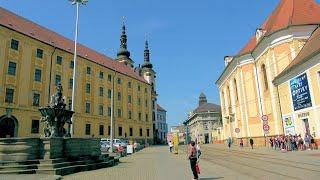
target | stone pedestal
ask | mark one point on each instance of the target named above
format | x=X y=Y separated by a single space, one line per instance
x=19 y=149
x=51 y=148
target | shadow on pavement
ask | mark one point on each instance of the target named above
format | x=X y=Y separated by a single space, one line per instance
x=211 y=178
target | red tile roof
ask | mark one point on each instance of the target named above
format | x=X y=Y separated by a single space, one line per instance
x=33 y=30
x=160 y=108
x=288 y=13
x=311 y=48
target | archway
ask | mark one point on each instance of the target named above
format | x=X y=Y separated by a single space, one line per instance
x=8 y=126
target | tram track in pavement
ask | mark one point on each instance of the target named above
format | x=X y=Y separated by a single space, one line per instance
x=232 y=160
x=267 y=157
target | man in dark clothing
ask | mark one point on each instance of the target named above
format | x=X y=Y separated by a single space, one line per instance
x=251 y=143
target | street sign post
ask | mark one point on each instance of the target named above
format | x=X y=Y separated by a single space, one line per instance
x=264 y=118
x=237 y=130
x=266 y=127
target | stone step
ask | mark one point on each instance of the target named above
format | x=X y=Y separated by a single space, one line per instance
x=14 y=163
x=27 y=171
x=75 y=168
x=63 y=164
x=18 y=167
x=52 y=161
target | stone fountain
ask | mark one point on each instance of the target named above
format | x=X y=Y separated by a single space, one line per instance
x=56 y=152
x=55 y=116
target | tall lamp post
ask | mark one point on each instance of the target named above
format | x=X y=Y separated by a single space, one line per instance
x=77 y=3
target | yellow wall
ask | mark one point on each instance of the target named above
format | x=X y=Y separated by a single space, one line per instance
x=248 y=108
x=24 y=85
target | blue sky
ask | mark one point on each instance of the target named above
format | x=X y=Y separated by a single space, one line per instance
x=188 y=39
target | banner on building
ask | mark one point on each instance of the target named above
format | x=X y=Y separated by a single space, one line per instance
x=300 y=92
x=288 y=125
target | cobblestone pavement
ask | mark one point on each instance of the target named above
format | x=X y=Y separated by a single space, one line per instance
x=156 y=163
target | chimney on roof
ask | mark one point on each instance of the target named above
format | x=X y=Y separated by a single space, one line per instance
x=259 y=34
x=227 y=60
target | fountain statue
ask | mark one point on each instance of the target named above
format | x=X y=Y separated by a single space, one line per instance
x=55 y=116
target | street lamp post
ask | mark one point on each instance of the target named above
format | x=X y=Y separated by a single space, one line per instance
x=112 y=118
x=77 y=3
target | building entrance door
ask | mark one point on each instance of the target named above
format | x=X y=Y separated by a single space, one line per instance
x=206 y=138
x=306 y=125
x=7 y=128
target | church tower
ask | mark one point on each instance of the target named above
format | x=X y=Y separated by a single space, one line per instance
x=123 y=54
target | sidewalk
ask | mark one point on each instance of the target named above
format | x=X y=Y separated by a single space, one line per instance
x=157 y=163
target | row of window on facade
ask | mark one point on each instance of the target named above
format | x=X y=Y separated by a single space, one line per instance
x=162 y=126
x=161 y=117
x=39 y=54
x=35 y=130
x=236 y=95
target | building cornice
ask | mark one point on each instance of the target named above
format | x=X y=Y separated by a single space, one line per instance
x=266 y=42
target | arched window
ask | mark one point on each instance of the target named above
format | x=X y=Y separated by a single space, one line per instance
x=265 y=79
x=235 y=88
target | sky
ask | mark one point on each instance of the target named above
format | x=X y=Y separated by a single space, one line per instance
x=188 y=39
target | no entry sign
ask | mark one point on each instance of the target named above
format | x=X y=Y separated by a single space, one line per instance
x=264 y=118
x=266 y=127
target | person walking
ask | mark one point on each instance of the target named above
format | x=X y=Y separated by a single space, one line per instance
x=198 y=150
x=229 y=142
x=193 y=159
x=241 y=143
x=251 y=143
x=170 y=146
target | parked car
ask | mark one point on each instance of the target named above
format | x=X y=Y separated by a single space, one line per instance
x=105 y=145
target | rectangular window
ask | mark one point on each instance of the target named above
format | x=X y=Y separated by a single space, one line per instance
x=145 y=90
x=101 y=75
x=120 y=131
x=58 y=79
x=130 y=131
x=139 y=116
x=139 y=88
x=101 y=130
x=12 y=68
x=109 y=77
x=119 y=96
x=14 y=44
x=148 y=132
x=109 y=111
x=146 y=104
x=35 y=127
x=39 y=53
x=37 y=75
x=109 y=130
x=87 y=107
x=109 y=93
x=70 y=104
x=119 y=113
x=147 y=117
x=70 y=83
x=101 y=110
x=71 y=64
x=140 y=133
x=88 y=129
x=88 y=70
x=9 y=95
x=119 y=81
x=129 y=84
x=36 y=99
x=59 y=60
x=101 y=91
x=129 y=99
x=87 y=88
x=130 y=115
x=139 y=101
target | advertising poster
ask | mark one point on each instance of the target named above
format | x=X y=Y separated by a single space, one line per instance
x=300 y=92
x=175 y=143
x=288 y=124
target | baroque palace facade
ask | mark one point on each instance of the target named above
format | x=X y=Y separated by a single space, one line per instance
x=272 y=86
x=34 y=59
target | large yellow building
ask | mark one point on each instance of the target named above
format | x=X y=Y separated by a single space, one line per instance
x=34 y=59
x=249 y=99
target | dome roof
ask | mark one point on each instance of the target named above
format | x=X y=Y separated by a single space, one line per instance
x=208 y=107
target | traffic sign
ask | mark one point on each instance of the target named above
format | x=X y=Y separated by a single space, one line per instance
x=237 y=130
x=266 y=127
x=264 y=118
